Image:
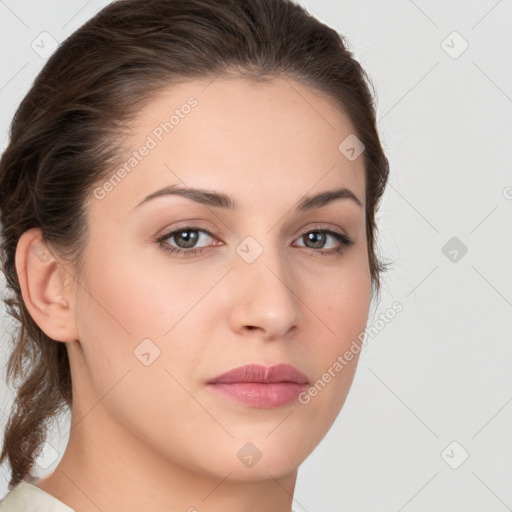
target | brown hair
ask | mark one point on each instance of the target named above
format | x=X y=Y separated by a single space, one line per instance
x=65 y=137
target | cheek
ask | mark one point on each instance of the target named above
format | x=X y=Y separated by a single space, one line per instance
x=341 y=304
x=134 y=306
x=341 y=300
x=344 y=314
x=140 y=295
x=124 y=305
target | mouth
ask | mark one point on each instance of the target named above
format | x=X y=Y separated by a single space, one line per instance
x=265 y=387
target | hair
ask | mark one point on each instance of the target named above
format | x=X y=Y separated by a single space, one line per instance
x=66 y=136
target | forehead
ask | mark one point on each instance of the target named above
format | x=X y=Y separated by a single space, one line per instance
x=255 y=141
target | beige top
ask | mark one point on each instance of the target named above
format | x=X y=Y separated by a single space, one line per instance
x=26 y=497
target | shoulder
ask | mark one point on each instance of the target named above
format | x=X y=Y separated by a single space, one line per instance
x=26 y=497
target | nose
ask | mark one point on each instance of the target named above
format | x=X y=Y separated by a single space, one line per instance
x=262 y=298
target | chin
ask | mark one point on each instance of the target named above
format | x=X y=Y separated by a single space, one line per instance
x=266 y=456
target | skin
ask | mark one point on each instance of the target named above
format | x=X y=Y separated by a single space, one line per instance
x=155 y=437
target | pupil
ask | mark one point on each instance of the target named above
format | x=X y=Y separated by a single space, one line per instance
x=318 y=236
x=189 y=240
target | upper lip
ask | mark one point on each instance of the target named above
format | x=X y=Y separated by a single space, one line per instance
x=262 y=374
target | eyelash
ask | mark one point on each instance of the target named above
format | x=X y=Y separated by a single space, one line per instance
x=344 y=241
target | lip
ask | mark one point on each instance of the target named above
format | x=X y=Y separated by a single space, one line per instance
x=261 y=386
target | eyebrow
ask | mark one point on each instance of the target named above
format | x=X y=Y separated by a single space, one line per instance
x=220 y=200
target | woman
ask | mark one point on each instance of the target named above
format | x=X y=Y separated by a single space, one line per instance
x=188 y=218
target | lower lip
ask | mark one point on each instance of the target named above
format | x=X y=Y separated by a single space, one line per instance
x=258 y=394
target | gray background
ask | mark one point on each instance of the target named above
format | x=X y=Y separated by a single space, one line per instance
x=435 y=385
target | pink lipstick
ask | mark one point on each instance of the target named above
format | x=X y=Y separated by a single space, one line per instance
x=261 y=386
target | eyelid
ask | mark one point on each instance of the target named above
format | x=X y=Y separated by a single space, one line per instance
x=319 y=226
x=190 y=224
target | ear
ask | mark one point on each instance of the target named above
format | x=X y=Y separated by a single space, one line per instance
x=43 y=287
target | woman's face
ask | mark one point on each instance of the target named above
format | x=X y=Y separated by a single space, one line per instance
x=258 y=281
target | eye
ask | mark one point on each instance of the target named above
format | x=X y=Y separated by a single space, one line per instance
x=186 y=238
x=318 y=237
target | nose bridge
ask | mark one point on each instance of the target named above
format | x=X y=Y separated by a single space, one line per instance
x=265 y=296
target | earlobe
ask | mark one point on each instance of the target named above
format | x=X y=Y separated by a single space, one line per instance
x=43 y=288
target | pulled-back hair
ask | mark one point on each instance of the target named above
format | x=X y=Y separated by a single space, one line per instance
x=66 y=137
